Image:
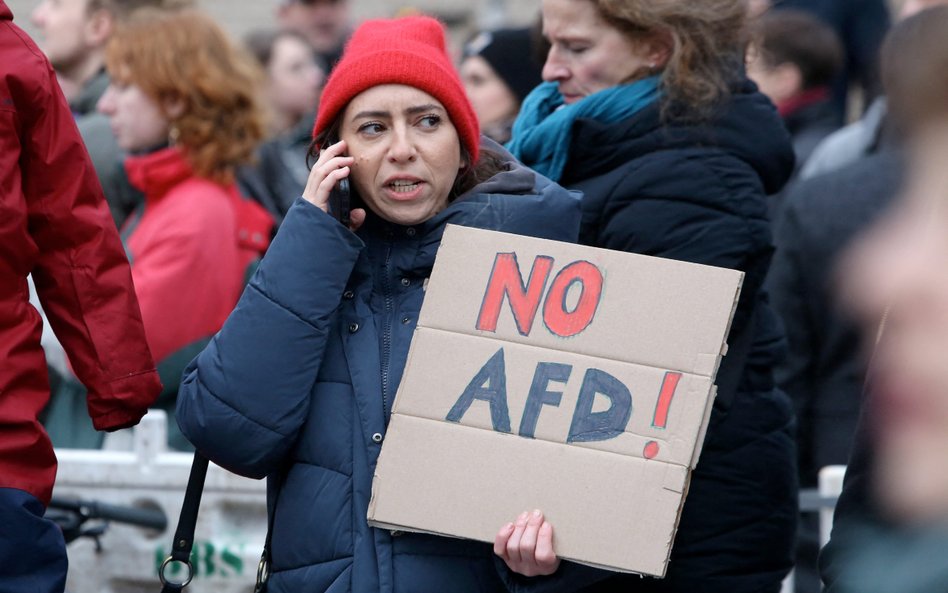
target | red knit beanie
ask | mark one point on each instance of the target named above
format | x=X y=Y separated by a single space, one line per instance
x=409 y=51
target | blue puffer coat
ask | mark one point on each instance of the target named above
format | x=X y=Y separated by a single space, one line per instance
x=299 y=384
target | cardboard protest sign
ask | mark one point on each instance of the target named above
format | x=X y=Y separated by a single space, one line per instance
x=561 y=377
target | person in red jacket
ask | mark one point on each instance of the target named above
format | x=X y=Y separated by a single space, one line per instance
x=55 y=224
x=183 y=104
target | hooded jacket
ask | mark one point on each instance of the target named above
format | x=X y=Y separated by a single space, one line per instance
x=299 y=386
x=55 y=224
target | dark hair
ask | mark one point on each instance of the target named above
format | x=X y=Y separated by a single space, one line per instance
x=708 y=41
x=489 y=163
x=914 y=67
x=801 y=39
x=261 y=42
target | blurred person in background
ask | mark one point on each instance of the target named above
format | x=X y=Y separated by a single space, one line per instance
x=73 y=35
x=646 y=111
x=336 y=307
x=294 y=81
x=825 y=370
x=182 y=103
x=794 y=59
x=55 y=225
x=325 y=23
x=499 y=71
x=890 y=528
x=867 y=135
x=294 y=77
x=861 y=26
x=755 y=8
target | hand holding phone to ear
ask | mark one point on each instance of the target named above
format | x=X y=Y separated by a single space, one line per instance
x=332 y=166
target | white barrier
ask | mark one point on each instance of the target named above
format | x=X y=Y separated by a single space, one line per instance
x=231 y=526
x=830 y=485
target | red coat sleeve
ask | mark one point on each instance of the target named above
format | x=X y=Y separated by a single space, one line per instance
x=82 y=274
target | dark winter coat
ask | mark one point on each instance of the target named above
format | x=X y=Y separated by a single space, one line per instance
x=696 y=192
x=825 y=368
x=299 y=385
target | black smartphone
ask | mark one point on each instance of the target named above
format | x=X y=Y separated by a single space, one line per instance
x=339 y=201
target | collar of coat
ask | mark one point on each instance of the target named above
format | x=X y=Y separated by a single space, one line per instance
x=157 y=172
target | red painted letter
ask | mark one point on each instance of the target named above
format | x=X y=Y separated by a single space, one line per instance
x=558 y=319
x=505 y=279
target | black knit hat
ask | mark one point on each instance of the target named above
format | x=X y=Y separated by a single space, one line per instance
x=511 y=54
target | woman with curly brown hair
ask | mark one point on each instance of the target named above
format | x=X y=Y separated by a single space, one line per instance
x=646 y=109
x=182 y=103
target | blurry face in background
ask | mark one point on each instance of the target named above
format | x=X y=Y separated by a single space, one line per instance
x=137 y=122
x=295 y=78
x=64 y=31
x=492 y=100
x=587 y=54
x=901 y=267
x=407 y=152
x=913 y=7
x=323 y=22
x=780 y=83
x=755 y=8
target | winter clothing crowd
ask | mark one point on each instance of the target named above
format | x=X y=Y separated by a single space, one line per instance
x=170 y=240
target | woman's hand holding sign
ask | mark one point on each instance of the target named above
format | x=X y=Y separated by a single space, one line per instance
x=526 y=545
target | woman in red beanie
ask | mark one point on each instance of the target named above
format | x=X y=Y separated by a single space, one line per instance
x=299 y=384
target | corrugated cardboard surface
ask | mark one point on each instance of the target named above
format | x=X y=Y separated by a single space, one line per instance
x=655 y=312
x=611 y=504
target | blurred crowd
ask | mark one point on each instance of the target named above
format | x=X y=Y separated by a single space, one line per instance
x=202 y=143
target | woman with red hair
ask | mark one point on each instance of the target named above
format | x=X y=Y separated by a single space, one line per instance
x=182 y=104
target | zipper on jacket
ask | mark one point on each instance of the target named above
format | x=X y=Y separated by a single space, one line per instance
x=389 y=297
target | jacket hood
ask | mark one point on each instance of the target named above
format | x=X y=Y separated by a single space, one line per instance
x=746 y=126
x=5 y=13
x=517 y=201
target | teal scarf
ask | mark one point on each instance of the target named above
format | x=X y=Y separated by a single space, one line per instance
x=544 y=128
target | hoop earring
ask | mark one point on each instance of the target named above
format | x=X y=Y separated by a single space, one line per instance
x=173 y=135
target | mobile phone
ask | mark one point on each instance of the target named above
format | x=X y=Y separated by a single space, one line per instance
x=339 y=201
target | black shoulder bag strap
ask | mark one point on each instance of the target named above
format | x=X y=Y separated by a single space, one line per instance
x=184 y=534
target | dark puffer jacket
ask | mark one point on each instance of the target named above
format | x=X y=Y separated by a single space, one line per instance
x=696 y=192
x=299 y=385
